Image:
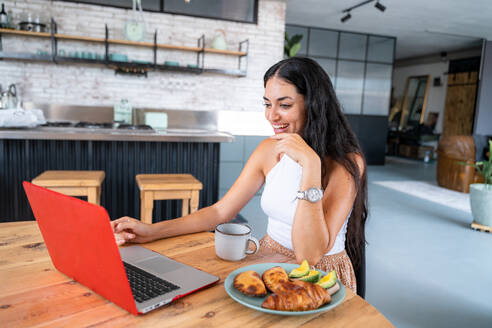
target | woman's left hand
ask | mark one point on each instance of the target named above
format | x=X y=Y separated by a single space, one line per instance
x=293 y=145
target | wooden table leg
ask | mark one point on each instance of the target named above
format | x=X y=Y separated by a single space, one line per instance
x=146 y=206
x=98 y=196
x=142 y=203
x=92 y=195
x=195 y=198
x=185 y=207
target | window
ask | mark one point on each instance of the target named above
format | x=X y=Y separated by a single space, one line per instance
x=359 y=65
x=234 y=10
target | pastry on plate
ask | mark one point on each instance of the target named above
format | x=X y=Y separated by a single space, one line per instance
x=297 y=296
x=274 y=278
x=250 y=283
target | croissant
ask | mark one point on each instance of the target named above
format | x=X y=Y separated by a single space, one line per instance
x=297 y=296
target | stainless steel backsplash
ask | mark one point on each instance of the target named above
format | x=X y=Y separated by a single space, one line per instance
x=176 y=119
x=234 y=122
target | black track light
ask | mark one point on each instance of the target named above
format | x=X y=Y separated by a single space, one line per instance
x=380 y=6
x=346 y=17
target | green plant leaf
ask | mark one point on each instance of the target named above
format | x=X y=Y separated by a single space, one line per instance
x=296 y=38
x=487 y=166
x=295 y=48
x=286 y=51
x=287 y=45
x=487 y=169
x=490 y=151
x=292 y=45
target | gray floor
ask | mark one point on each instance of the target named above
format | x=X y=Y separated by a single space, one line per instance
x=425 y=266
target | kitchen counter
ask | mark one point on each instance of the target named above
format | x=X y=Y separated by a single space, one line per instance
x=190 y=144
x=120 y=153
x=69 y=133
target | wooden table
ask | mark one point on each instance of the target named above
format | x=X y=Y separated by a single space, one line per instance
x=34 y=293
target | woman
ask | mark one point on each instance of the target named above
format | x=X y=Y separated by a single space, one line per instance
x=314 y=173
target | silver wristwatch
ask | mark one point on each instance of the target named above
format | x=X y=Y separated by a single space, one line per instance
x=312 y=195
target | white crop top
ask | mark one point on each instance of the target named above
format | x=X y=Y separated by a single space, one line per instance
x=279 y=202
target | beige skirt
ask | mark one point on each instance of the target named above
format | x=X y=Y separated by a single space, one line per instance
x=340 y=262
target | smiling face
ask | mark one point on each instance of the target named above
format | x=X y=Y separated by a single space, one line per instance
x=284 y=106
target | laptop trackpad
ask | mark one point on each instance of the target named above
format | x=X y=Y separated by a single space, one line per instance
x=159 y=265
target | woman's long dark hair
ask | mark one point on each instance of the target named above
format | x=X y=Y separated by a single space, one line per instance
x=329 y=134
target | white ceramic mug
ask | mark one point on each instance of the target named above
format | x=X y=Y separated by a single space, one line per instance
x=232 y=241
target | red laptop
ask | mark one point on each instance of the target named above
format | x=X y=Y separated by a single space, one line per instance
x=81 y=244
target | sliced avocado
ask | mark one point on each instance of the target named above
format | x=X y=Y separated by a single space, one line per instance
x=300 y=271
x=313 y=276
x=329 y=280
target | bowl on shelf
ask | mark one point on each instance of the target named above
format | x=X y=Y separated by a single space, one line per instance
x=41 y=52
x=87 y=55
x=118 y=57
x=171 y=63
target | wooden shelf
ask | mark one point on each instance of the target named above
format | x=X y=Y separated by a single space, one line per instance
x=129 y=67
x=25 y=33
x=116 y=64
x=121 y=42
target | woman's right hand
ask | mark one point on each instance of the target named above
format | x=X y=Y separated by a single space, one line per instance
x=127 y=229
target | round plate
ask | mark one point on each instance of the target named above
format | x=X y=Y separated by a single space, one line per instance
x=255 y=302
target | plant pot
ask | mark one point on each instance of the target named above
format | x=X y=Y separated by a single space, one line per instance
x=481 y=203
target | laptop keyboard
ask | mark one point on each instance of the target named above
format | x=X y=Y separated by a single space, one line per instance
x=145 y=285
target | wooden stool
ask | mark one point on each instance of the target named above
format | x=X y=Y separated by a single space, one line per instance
x=73 y=183
x=167 y=186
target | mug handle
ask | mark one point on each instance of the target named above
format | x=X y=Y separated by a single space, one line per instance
x=257 y=245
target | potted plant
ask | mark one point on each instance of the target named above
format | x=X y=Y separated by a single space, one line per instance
x=292 y=45
x=481 y=193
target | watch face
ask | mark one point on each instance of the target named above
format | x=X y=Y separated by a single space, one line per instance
x=314 y=194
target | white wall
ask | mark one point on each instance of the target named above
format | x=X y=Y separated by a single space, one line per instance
x=94 y=85
x=437 y=95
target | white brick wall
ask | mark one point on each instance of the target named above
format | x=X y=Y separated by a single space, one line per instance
x=95 y=85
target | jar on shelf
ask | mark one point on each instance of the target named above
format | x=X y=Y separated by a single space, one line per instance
x=219 y=41
x=122 y=112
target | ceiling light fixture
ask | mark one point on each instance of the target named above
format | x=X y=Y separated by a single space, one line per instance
x=346 y=18
x=377 y=5
x=380 y=6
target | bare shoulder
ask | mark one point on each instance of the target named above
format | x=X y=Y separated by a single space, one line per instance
x=264 y=155
x=267 y=144
x=335 y=168
x=263 y=147
x=361 y=163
